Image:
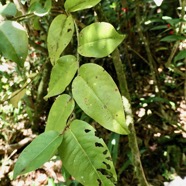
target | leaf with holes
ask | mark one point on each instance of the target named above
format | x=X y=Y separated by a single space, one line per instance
x=59 y=113
x=99 y=40
x=38 y=152
x=59 y=36
x=13 y=41
x=83 y=150
x=98 y=96
x=73 y=6
x=62 y=74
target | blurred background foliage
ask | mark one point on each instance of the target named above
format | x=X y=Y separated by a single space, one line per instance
x=154 y=57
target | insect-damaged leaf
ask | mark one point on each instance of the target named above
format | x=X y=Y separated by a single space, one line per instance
x=38 y=152
x=59 y=113
x=13 y=41
x=83 y=150
x=99 y=40
x=98 y=96
x=62 y=74
x=59 y=36
x=72 y=6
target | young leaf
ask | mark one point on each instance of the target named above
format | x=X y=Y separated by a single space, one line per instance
x=59 y=113
x=40 y=7
x=86 y=156
x=14 y=41
x=98 y=96
x=59 y=36
x=73 y=6
x=99 y=40
x=38 y=152
x=62 y=74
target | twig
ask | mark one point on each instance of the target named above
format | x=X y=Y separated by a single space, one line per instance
x=10 y=148
x=129 y=118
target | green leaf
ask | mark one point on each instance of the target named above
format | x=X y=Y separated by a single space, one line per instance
x=181 y=55
x=72 y=6
x=62 y=74
x=40 y=7
x=86 y=156
x=8 y=10
x=160 y=27
x=98 y=96
x=14 y=41
x=38 y=152
x=17 y=96
x=99 y=40
x=59 y=36
x=59 y=113
x=173 y=38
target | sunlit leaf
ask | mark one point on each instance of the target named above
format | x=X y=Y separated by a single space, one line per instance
x=17 y=96
x=59 y=36
x=99 y=40
x=8 y=10
x=38 y=152
x=86 y=156
x=98 y=96
x=13 y=41
x=62 y=74
x=40 y=7
x=59 y=113
x=75 y=5
x=158 y=2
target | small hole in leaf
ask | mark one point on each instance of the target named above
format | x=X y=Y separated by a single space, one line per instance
x=98 y=144
x=87 y=130
x=105 y=152
x=107 y=165
x=103 y=171
x=109 y=158
x=69 y=30
x=99 y=181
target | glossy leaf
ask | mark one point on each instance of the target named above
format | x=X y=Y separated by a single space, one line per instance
x=40 y=150
x=86 y=156
x=59 y=113
x=8 y=10
x=59 y=36
x=99 y=40
x=40 y=7
x=62 y=74
x=73 y=6
x=98 y=96
x=14 y=41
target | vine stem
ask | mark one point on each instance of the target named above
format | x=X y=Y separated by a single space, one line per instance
x=129 y=118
